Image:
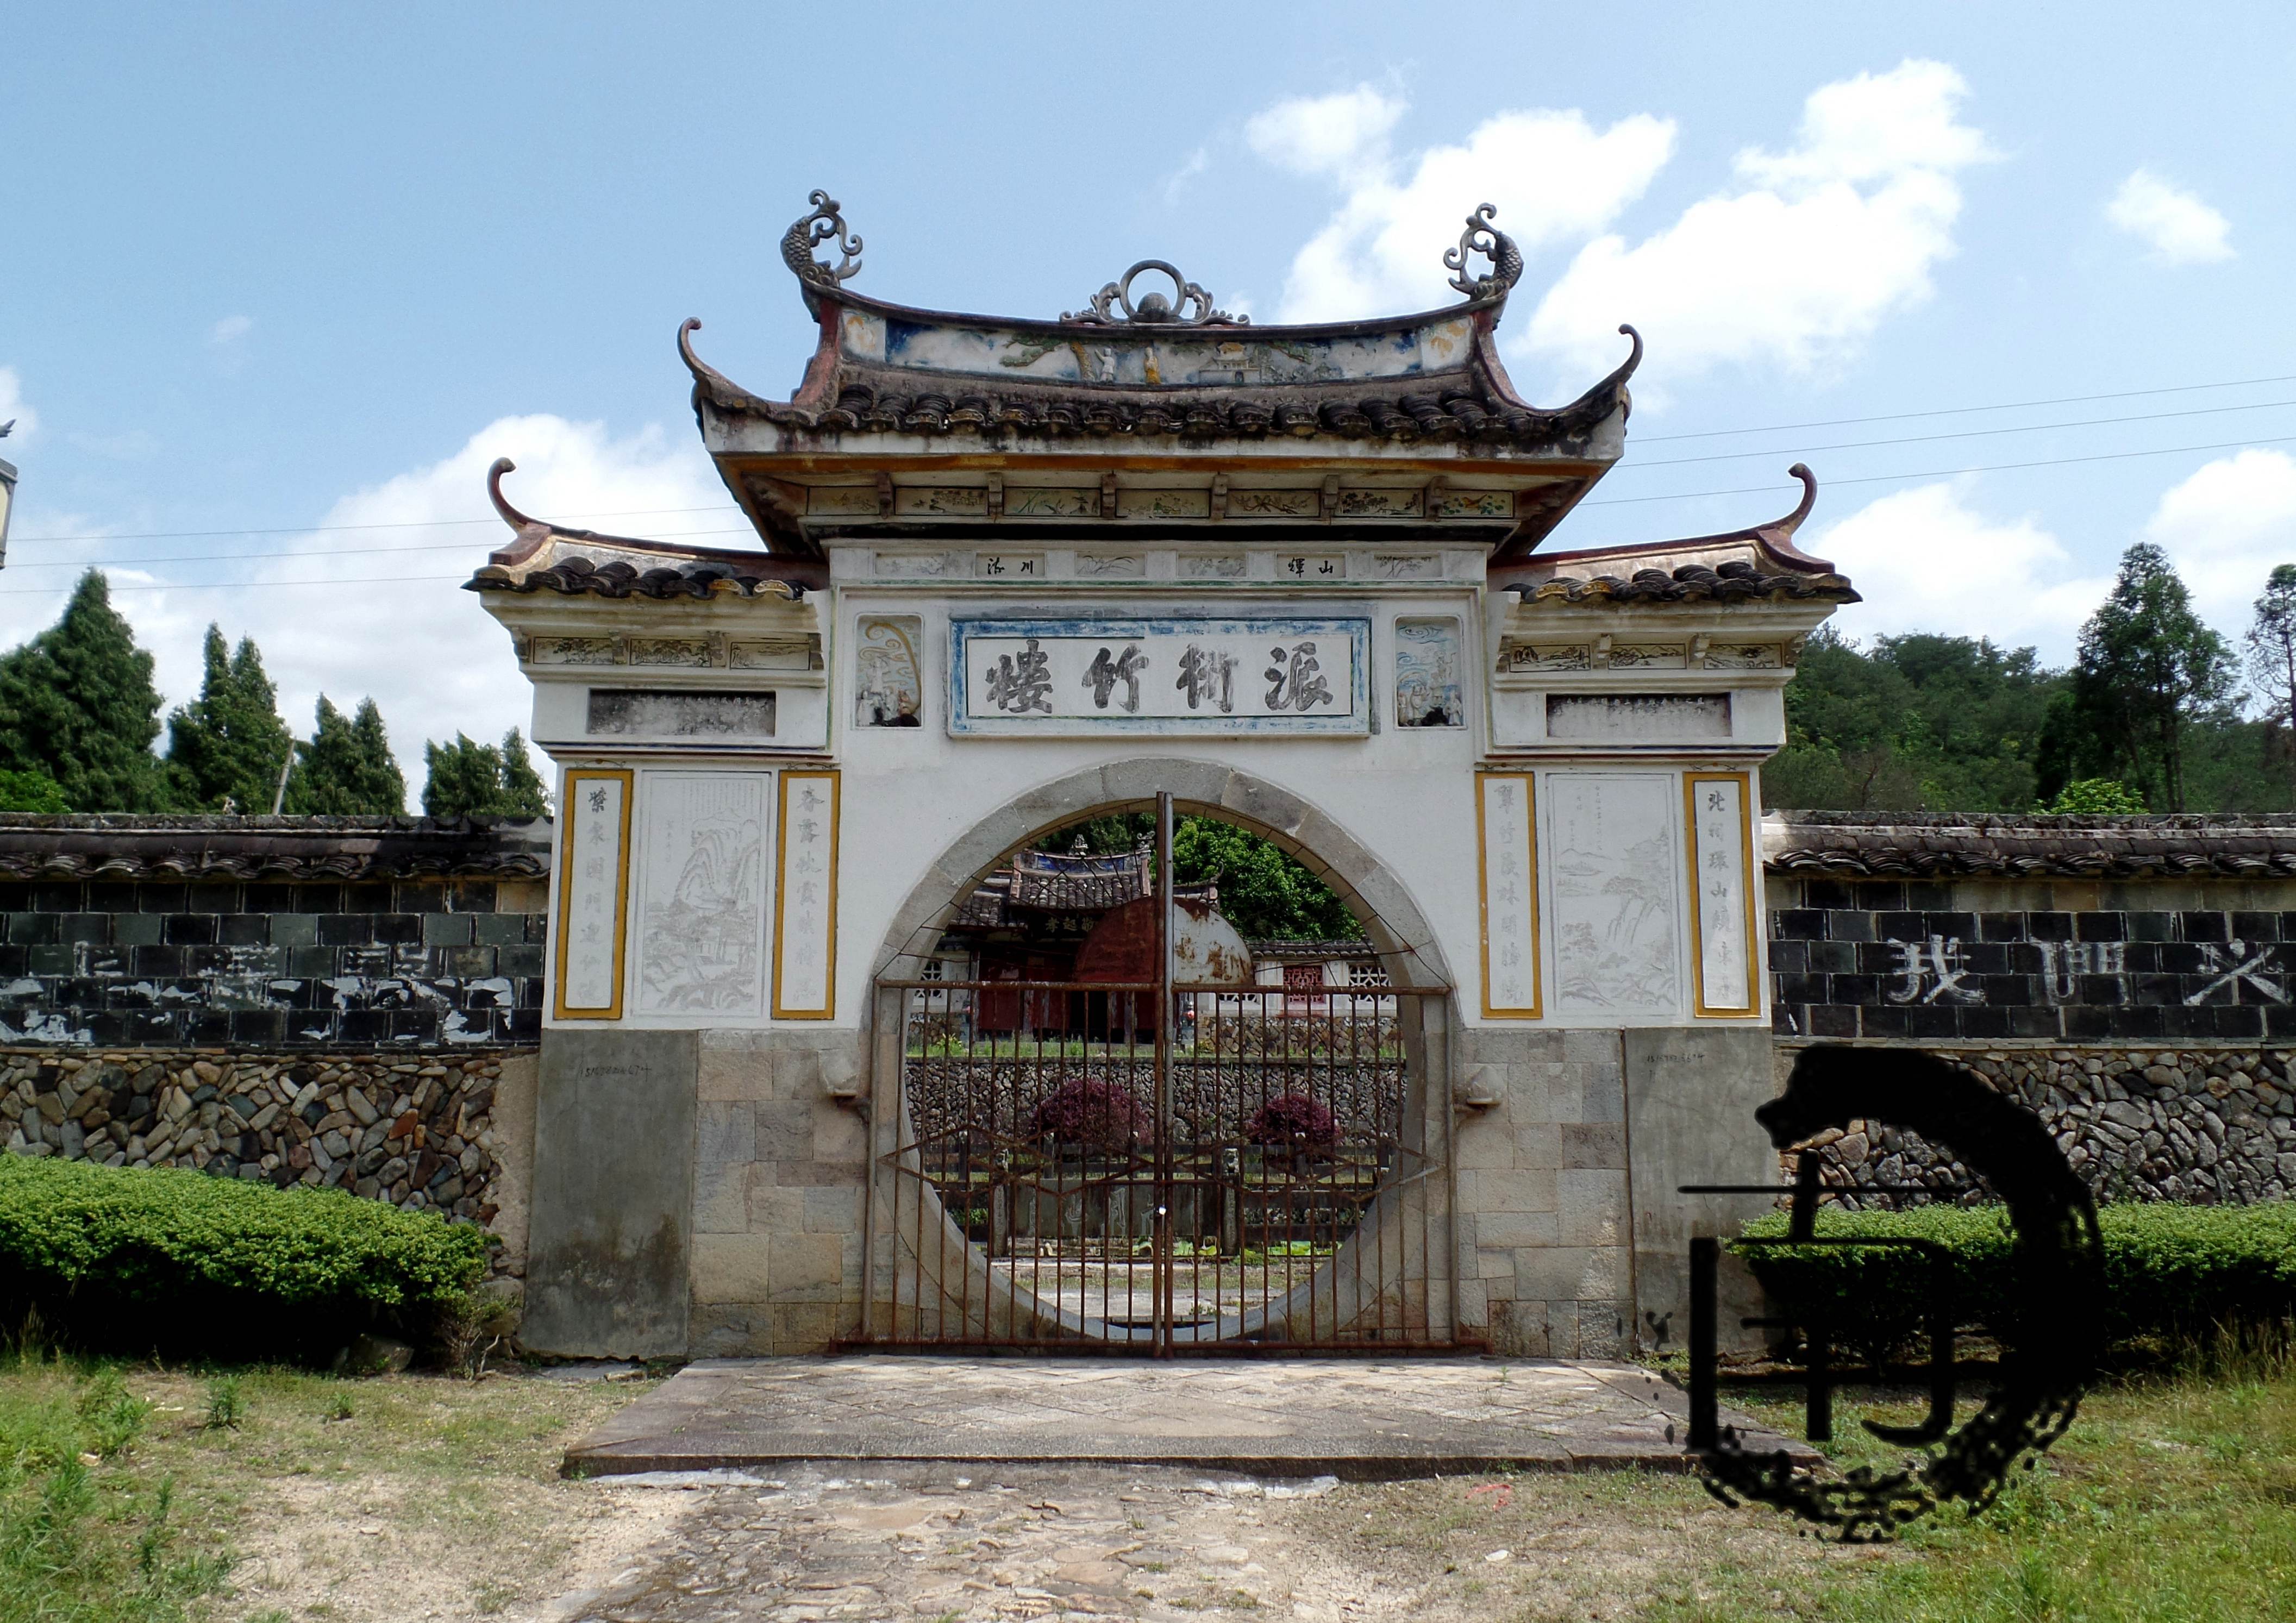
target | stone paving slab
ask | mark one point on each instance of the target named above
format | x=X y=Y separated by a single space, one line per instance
x=1358 y=1420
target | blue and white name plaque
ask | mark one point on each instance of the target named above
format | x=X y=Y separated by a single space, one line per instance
x=1164 y=673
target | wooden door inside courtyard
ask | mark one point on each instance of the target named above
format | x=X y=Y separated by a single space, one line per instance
x=1158 y=1165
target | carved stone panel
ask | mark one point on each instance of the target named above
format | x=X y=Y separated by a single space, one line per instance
x=1637 y=717
x=1159 y=674
x=888 y=676
x=1428 y=663
x=701 y=885
x=679 y=713
x=1611 y=855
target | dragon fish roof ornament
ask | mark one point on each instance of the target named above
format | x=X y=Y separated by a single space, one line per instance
x=1188 y=305
x=824 y=224
x=1482 y=237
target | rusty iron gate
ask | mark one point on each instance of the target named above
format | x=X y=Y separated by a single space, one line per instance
x=1159 y=1167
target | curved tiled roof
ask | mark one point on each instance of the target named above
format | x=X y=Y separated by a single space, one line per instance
x=1733 y=582
x=178 y=848
x=1947 y=844
x=576 y=563
x=1474 y=406
x=572 y=574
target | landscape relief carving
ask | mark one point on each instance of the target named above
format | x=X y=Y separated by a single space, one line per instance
x=889 y=686
x=702 y=915
x=1617 y=950
x=1428 y=692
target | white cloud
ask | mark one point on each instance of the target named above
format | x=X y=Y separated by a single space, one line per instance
x=230 y=330
x=1800 y=265
x=2178 y=227
x=1177 y=182
x=1338 y=135
x=1552 y=176
x=1911 y=554
x=11 y=405
x=422 y=648
x=2224 y=527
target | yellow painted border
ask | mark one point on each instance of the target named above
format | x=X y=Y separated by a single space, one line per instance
x=781 y=895
x=1483 y=894
x=567 y=784
x=1744 y=781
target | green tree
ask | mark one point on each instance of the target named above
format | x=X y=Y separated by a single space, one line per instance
x=1915 y=722
x=78 y=706
x=467 y=779
x=2150 y=673
x=2096 y=796
x=228 y=745
x=31 y=791
x=1265 y=893
x=347 y=770
x=2272 y=650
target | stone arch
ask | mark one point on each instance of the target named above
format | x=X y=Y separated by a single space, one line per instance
x=1396 y=928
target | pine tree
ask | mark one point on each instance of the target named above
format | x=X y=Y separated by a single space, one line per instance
x=468 y=779
x=78 y=705
x=2149 y=670
x=523 y=795
x=229 y=744
x=2272 y=648
x=347 y=770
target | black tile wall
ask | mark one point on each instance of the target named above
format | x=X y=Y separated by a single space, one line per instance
x=1862 y=966
x=407 y=965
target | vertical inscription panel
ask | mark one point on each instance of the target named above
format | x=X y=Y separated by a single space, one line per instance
x=1611 y=860
x=1717 y=808
x=702 y=893
x=805 y=912
x=592 y=926
x=1505 y=821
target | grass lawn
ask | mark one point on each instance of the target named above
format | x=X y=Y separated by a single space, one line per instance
x=2170 y=1501
x=261 y=1496
x=132 y=1494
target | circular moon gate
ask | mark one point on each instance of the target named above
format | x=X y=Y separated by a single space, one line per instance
x=2053 y=1336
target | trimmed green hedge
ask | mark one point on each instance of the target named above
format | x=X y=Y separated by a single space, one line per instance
x=139 y=1259
x=2170 y=1271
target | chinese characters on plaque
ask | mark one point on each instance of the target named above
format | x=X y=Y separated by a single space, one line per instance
x=1721 y=905
x=1159 y=674
x=805 y=940
x=591 y=887
x=1510 y=877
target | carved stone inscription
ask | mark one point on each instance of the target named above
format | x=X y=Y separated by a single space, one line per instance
x=1164 y=674
x=678 y=713
x=1631 y=717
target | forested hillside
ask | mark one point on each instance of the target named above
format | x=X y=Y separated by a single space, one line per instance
x=2151 y=716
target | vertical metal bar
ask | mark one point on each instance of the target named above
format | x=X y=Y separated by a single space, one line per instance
x=875 y=1094
x=1704 y=1252
x=1160 y=1248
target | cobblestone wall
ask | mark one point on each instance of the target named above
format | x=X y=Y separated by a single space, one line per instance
x=2204 y=1126
x=262 y=966
x=417 y=1132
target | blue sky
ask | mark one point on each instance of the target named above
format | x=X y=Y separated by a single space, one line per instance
x=287 y=268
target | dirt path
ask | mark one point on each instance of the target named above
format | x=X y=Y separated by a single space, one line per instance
x=928 y=1542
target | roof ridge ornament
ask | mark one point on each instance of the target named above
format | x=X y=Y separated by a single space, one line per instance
x=1482 y=237
x=1153 y=309
x=824 y=224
